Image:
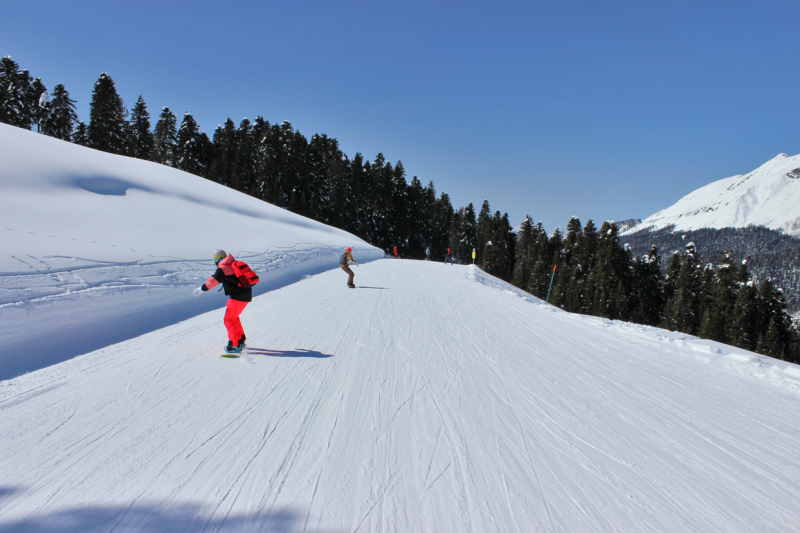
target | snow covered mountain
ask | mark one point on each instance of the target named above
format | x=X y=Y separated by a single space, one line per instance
x=98 y=247
x=768 y=196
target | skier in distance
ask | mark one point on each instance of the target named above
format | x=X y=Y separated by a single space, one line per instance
x=344 y=262
x=238 y=299
x=428 y=253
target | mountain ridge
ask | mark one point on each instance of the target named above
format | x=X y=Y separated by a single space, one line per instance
x=768 y=196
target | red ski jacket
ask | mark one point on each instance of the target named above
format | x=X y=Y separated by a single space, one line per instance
x=225 y=275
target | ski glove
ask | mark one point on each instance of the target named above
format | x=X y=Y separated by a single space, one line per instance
x=198 y=291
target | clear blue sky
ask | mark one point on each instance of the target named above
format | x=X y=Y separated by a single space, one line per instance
x=601 y=109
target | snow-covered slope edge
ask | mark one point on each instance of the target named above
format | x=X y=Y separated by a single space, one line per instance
x=98 y=248
x=717 y=354
x=768 y=196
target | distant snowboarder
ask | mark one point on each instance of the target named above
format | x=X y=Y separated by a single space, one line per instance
x=344 y=262
x=428 y=253
x=449 y=257
x=395 y=253
x=230 y=273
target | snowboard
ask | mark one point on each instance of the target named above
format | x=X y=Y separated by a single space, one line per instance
x=234 y=355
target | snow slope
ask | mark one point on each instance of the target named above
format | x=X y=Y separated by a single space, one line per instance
x=98 y=248
x=768 y=196
x=431 y=398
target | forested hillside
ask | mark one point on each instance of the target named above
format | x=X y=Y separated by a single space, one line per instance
x=769 y=254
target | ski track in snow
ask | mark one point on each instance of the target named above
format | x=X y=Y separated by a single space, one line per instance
x=431 y=398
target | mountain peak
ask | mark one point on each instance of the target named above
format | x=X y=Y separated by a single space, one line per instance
x=768 y=196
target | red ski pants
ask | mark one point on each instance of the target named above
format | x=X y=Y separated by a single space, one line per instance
x=232 y=322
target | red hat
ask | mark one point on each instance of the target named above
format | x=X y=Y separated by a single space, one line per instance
x=348 y=249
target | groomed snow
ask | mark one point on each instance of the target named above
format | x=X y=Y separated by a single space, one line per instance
x=768 y=196
x=431 y=398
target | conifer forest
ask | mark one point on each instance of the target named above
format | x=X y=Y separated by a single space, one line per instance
x=733 y=293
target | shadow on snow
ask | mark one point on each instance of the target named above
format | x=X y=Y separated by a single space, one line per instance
x=154 y=518
x=288 y=353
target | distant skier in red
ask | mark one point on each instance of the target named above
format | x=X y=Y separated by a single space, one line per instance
x=239 y=297
x=395 y=253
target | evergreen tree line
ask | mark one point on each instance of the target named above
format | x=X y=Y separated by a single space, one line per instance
x=770 y=254
x=593 y=273
x=596 y=275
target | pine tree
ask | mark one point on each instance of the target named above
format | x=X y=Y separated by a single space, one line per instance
x=587 y=258
x=204 y=153
x=539 y=280
x=243 y=171
x=522 y=257
x=399 y=225
x=579 y=292
x=443 y=219
x=188 y=146
x=721 y=300
x=647 y=296
x=81 y=135
x=40 y=103
x=775 y=324
x=482 y=235
x=17 y=97
x=682 y=311
x=499 y=249
x=165 y=139
x=322 y=152
x=568 y=270
x=746 y=327
x=455 y=237
x=416 y=238
x=225 y=145
x=107 y=118
x=340 y=193
x=556 y=250
x=610 y=276
x=141 y=140
x=469 y=231
x=61 y=116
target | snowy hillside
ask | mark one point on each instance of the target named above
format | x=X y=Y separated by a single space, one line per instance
x=768 y=196
x=431 y=398
x=127 y=240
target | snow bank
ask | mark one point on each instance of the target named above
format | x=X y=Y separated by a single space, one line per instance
x=98 y=247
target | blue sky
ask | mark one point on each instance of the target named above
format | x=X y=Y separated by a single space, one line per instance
x=597 y=109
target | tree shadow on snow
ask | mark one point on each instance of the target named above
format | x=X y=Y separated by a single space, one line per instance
x=288 y=353
x=154 y=518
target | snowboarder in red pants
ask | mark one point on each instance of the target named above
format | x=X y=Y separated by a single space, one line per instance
x=239 y=297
